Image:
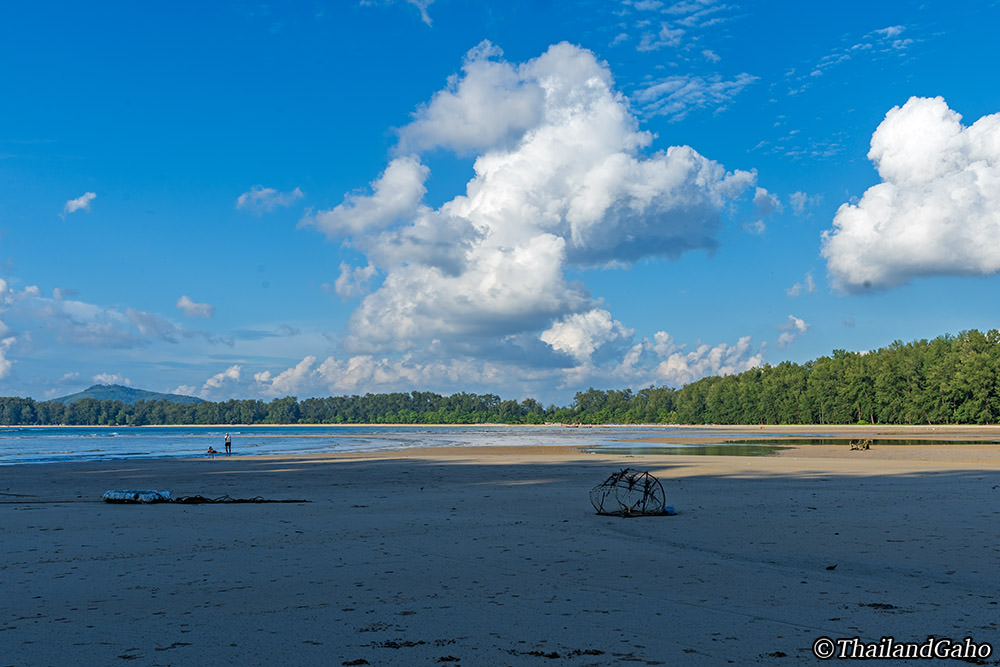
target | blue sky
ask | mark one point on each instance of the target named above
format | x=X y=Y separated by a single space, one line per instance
x=524 y=198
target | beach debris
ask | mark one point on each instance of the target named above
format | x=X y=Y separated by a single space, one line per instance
x=134 y=496
x=861 y=444
x=199 y=500
x=630 y=492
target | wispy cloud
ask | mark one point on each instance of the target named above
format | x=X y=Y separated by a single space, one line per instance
x=72 y=322
x=801 y=201
x=795 y=145
x=421 y=6
x=676 y=96
x=679 y=26
x=257 y=334
x=665 y=36
x=807 y=285
x=874 y=44
x=260 y=200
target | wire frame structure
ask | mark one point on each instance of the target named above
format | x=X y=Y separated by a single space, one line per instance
x=629 y=492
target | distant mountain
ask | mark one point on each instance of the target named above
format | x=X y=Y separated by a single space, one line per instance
x=116 y=392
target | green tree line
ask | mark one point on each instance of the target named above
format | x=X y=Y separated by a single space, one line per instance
x=947 y=380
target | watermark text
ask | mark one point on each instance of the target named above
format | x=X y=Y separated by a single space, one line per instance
x=855 y=648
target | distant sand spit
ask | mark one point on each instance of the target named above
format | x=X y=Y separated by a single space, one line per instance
x=493 y=556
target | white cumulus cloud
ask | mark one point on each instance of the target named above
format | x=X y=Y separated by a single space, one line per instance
x=81 y=203
x=490 y=104
x=475 y=291
x=791 y=330
x=765 y=203
x=288 y=381
x=353 y=280
x=367 y=373
x=6 y=365
x=220 y=382
x=193 y=309
x=579 y=334
x=678 y=366
x=111 y=378
x=563 y=177
x=937 y=209
x=395 y=195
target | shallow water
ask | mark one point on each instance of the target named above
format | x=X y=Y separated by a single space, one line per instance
x=60 y=444
x=53 y=444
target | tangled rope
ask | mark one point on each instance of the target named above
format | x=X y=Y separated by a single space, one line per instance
x=198 y=500
x=146 y=496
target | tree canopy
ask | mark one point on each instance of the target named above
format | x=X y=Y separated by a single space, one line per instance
x=947 y=380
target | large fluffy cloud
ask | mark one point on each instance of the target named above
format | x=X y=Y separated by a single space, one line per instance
x=475 y=293
x=937 y=209
x=563 y=177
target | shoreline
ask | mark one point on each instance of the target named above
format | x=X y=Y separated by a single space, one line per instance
x=882 y=430
x=317 y=440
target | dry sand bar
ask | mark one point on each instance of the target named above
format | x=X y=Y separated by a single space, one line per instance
x=486 y=556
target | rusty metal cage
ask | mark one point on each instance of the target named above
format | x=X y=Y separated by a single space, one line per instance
x=630 y=492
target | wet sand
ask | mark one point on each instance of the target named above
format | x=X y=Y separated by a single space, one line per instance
x=494 y=556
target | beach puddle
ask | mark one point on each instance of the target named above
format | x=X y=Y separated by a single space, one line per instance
x=735 y=449
x=846 y=442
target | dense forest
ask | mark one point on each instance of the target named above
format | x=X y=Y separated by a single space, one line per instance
x=948 y=380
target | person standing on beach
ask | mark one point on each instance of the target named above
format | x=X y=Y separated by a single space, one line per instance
x=229 y=445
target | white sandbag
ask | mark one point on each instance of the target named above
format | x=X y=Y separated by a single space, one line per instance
x=136 y=496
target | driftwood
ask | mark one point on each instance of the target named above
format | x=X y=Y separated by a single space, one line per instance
x=861 y=444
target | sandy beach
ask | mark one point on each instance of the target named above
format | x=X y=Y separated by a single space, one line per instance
x=494 y=556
